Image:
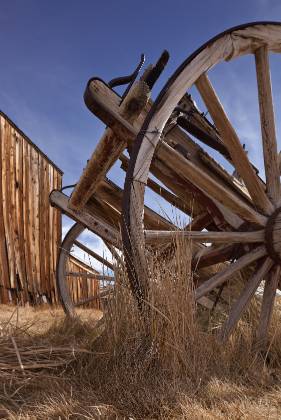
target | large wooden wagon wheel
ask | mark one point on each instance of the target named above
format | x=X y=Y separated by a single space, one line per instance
x=259 y=214
x=67 y=278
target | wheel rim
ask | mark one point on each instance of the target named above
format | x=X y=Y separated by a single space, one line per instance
x=68 y=300
x=259 y=39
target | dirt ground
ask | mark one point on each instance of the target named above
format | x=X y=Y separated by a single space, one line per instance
x=37 y=320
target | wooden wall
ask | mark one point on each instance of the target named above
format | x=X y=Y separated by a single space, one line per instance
x=82 y=288
x=30 y=229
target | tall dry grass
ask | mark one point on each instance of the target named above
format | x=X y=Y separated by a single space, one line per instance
x=164 y=365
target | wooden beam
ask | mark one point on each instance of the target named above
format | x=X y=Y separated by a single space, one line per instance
x=227 y=272
x=113 y=195
x=267 y=121
x=159 y=236
x=93 y=223
x=171 y=198
x=213 y=255
x=231 y=141
x=202 y=180
x=110 y=145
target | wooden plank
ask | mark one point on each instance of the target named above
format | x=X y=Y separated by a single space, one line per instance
x=42 y=225
x=13 y=216
x=231 y=141
x=57 y=229
x=93 y=223
x=27 y=216
x=31 y=231
x=4 y=264
x=48 y=237
x=227 y=272
x=36 y=215
x=112 y=194
x=244 y=299
x=159 y=236
x=110 y=146
x=171 y=198
x=203 y=181
x=269 y=294
x=267 y=121
x=19 y=213
x=6 y=204
x=51 y=235
x=211 y=255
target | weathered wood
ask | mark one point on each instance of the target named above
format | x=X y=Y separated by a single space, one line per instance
x=25 y=209
x=203 y=181
x=110 y=145
x=94 y=254
x=102 y=294
x=113 y=195
x=243 y=301
x=82 y=264
x=270 y=287
x=4 y=266
x=227 y=272
x=233 y=144
x=171 y=198
x=153 y=236
x=89 y=275
x=93 y=223
x=267 y=121
x=189 y=171
x=211 y=255
x=114 y=253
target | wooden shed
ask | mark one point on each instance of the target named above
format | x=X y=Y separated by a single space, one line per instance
x=30 y=229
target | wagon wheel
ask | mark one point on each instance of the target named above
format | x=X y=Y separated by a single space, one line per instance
x=76 y=286
x=260 y=215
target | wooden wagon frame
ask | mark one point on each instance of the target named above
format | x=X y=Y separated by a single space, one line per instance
x=238 y=214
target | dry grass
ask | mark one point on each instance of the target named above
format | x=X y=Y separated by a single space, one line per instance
x=170 y=367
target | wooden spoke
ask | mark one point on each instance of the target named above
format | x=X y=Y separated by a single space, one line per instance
x=94 y=254
x=160 y=236
x=114 y=253
x=231 y=141
x=248 y=292
x=225 y=274
x=269 y=293
x=267 y=124
x=90 y=275
x=102 y=294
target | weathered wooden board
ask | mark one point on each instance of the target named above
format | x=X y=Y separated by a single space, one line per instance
x=30 y=229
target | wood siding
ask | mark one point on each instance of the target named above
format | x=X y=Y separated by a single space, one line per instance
x=82 y=288
x=30 y=229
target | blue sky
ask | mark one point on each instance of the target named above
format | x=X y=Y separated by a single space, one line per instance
x=49 y=50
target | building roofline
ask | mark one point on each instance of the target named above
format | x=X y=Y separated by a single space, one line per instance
x=5 y=116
